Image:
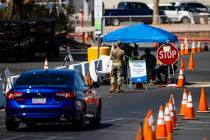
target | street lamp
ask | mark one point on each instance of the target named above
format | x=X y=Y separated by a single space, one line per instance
x=82 y=24
x=82 y=17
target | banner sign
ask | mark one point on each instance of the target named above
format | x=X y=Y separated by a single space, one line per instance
x=98 y=11
x=138 y=71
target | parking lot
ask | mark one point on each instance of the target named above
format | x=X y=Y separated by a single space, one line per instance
x=122 y=112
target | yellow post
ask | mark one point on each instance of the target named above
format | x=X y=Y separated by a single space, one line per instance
x=93 y=52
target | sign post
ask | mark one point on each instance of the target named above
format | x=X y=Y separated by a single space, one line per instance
x=168 y=54
x=98 y=11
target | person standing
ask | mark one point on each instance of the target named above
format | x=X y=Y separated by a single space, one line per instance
x=118 y=58
x=150 y=63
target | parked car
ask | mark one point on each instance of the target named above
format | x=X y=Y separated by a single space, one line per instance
x=131 y=11
x=2 y=100
x=43 y=96
x=184 y=12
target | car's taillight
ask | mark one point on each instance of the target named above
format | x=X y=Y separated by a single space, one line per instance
x=66 y=94
x=14 y=95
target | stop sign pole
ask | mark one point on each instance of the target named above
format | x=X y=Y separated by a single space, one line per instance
x=168 y=54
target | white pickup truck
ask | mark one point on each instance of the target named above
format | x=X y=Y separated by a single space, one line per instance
x=184 y=12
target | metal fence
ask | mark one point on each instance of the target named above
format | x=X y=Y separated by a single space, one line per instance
x=113 y=22
x=192 y=19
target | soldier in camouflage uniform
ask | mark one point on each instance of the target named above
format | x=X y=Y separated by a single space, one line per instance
x=118 y=57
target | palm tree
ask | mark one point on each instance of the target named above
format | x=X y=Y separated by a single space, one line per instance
x=16 y=7
x=156 y=11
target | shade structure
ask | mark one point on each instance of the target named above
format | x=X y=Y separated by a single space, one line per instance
x=140 y=33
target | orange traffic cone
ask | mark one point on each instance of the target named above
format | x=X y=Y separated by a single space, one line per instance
x=169 y=136
x=151 y=122
x=203 y=106
x=161 y=128
x=199 y=47
x=139 y=133
x=147 y=130
x=186 y=47
x=171 y=110
x=183 y=110
x=167 y=119
x=205 y=138
x=173 y=101
x=45 y=64
x=182 y=63
x=190 y=115
x=182 y=49
x=191 y=64
x=180 y=82
x=86 y=38
x=193 y=50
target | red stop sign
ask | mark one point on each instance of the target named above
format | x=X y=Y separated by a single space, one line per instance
x=167 y=54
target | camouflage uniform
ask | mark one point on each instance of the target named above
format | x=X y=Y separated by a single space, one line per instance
x=117 y=56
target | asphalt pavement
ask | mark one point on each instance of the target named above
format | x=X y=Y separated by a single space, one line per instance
x=122 y=112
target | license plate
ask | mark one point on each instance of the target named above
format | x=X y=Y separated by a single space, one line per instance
x=38 y=100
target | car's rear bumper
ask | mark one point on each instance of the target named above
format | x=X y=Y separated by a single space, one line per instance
x=40 y=114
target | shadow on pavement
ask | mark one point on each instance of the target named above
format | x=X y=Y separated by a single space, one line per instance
x=61 y=128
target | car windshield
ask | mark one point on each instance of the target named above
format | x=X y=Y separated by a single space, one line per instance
x=43 y=79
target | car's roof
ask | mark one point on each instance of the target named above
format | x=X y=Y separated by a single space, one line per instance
x=50 y=71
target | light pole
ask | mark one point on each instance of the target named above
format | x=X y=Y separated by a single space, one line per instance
x=82 y=24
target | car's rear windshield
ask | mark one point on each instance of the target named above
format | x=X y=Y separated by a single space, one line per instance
x=44 y=79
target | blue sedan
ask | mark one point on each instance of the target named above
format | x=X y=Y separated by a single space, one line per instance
x=43 y=96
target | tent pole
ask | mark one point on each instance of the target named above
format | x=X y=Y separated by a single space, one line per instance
x=169 y=74
x=173 y=70
x=99 y=44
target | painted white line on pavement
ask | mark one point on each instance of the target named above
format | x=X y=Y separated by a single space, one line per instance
x=118 y=132
x=127 y=118
x=138 y=113
x=198 y=122
x=51 y=138
x=15 y=137
x=203 y=116
x=127 y=125
x=192 y=128
x=194 y=84
x=133 y=119
x=113 y=120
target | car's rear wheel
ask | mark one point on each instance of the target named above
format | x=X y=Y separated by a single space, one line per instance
x=96 y=121
x=185 y=20
x=116 y=22
x=79 y=120
x=79 y=123
x=11 y=125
